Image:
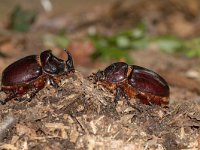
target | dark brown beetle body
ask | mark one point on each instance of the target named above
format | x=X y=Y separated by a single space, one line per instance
x=30 y=74
x=134 y=81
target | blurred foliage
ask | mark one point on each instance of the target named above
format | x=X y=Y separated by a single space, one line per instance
x=21 y=20
x=169 y=44
x=61 y=40
x=192 y=47
x=58 y=40
x=117 y=46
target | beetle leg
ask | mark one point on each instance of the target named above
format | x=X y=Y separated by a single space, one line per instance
x=2 y=102
x=119 y=94
x=29 y=97
x=8 y=98
x=131 y=105
x=32 y=94
x=53 y=83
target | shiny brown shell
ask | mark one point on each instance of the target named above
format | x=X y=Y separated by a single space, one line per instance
x=135 y=81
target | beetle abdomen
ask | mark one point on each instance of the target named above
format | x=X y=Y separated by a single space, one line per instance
x=148 y=81
x=23 y=70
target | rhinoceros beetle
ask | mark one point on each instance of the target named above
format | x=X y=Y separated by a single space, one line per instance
x=30 y=74
x=134 y=81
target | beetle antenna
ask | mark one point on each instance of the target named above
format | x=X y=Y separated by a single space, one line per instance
x=69 y=62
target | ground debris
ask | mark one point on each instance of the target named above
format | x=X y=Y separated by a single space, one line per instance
x=82 y=115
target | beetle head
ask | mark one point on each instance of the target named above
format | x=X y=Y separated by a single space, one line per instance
x=55 y=66
x=99 y=76
x=51 y=64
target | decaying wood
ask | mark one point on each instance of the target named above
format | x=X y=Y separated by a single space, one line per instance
x=81 y=115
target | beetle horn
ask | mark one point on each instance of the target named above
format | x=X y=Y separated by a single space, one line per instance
x=69 y=62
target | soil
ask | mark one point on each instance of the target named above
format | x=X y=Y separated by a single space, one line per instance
x=81 y=114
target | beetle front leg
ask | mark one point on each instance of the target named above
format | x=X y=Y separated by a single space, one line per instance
x=33 y=93
x=118 y=95
x=3 y=102
x=30 y=96
x=53 y=83
x=8 y=98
